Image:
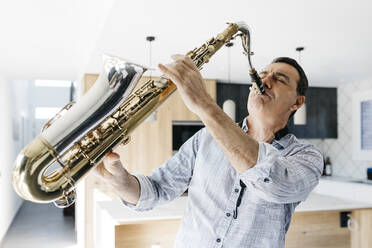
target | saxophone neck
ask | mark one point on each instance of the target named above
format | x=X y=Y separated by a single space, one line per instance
x=201 y=55
x=243 y=27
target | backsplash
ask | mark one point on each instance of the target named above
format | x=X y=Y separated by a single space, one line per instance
x=340 y=149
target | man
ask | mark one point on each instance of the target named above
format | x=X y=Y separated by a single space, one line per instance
x=243 y=182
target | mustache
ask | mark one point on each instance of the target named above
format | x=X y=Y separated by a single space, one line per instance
x=267 y=92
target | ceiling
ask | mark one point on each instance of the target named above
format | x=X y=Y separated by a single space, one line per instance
x=62 y=39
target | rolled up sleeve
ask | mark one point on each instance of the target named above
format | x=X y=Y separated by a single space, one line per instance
x=147 y=194
x=170 y=180
x=284 y=179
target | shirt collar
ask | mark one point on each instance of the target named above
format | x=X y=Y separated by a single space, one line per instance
x=283 y=142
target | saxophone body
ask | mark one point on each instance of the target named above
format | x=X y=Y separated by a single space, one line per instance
x=79 y=137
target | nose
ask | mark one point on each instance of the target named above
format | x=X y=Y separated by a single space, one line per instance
x=268 y=80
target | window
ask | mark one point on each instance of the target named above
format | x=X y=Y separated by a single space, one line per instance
x=362 y=125
x=366 y=125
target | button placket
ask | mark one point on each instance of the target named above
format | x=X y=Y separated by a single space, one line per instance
x=227 y=221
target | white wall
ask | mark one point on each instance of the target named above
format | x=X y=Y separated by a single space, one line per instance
x=18 y=99
x=340 y=150
x=21 y=112
x=10 y=202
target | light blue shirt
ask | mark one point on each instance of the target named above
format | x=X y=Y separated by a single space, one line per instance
x=286 y=172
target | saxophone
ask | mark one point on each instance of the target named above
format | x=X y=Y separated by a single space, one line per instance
x=82 y=133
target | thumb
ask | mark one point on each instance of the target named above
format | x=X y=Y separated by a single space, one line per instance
x=112 y=163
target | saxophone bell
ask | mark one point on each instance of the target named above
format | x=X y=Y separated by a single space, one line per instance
x=67 y=139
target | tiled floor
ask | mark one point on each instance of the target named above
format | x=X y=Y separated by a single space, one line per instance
x=40 y=226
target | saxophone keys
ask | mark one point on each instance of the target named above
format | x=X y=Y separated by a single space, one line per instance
x=220 y=37
x=125 y=141
x=66 y=200
x=72 y=153
x=206 y=58
x=109 y=122
x=191 y=53
x=211 y=49
x=161 y=83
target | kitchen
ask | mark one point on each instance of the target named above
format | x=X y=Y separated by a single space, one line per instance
x=333 y=48
x=336 y=214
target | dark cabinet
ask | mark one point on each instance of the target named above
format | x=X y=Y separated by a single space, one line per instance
x=236 y=92
x=321 y=114
x=321 y=109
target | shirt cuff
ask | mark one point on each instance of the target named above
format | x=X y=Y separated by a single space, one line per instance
x=265 y=159
x=147 y=197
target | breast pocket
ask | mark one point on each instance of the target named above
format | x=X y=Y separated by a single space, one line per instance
x=262 y=208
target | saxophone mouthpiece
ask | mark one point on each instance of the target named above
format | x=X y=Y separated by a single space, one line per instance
x=256 y=82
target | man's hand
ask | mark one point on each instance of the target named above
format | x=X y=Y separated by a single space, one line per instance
x=121 y=181
x=111 y=170
x=190 y=84
x=240 y=149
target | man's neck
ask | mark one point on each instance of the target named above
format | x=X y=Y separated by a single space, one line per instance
x=261 y=130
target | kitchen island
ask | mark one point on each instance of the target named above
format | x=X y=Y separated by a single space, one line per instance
x=316 y=222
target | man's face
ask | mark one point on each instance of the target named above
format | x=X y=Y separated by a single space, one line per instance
x=280 y=82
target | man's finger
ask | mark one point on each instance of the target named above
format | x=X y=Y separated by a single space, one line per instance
x=177 y=56
x=169 y=72
x=113 y=155
x=186 y=60
x=98 y=170
x=101 y=172
x=163 y=68
x=112 y=163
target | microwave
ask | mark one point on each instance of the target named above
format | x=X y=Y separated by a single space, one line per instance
x=182 y=131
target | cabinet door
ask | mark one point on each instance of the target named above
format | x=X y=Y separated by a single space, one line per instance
x=321 y=115
x=327 y=112
x=317 y=229
x=145 y=234
x=236 y=92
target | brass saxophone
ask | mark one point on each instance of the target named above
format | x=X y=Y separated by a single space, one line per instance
x=77 y=140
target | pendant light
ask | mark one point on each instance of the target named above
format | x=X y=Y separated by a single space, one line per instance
x=229 y=106
x=150 y=39
x=299 y=117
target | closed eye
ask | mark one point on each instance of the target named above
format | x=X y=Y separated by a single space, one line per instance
x=282 y=81
x=282 y=77
x=276 y=78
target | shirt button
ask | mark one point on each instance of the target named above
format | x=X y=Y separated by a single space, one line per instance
x=236 y=190
x=228 y=214
x=218 y=240
x=266 y=180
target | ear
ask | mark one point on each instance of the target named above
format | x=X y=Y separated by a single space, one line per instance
x=299 y=102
